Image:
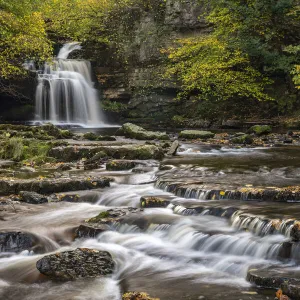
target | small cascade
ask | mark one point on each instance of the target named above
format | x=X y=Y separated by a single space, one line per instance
x=66 y=93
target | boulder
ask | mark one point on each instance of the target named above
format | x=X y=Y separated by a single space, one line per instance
x=173 y=149
x=245 y=139
x=119 y=165
x=91 y=230
x=133 y=131
x=196 y=134
x=260 y=129
x=32 y=197
x=16 y=241
x=90 y=136
x=76 y=264
x=153 y=201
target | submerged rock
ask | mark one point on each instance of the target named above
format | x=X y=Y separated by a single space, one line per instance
x=261 y=129
x=196 y=134
x=136 y=132
x=32 y=197
x=16 y=241
x=119 y=165
x=76 y=264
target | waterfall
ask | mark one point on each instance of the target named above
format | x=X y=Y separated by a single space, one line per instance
x=65 y=92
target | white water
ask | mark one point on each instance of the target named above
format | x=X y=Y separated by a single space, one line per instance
x=65 y=93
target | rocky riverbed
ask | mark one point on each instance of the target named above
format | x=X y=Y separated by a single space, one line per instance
x=140 y=214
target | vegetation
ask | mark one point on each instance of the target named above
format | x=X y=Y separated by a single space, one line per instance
x=252 y=45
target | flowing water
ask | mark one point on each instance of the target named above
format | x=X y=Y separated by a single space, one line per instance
x=65 y=93
x=181 y=255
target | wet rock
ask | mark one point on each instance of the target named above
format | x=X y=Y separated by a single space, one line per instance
x=119 y=165
x=295 y=232
x=272 y=277
x=32 y=197
x=291 y=290
x=49 y=186
x=133 y=131
x=16 y=241
x=96 y=161
x=90 y=136
x=165 y=167
x=196 y=134
x=137 y=296
x=106 y=138
x=91 y=230
x=76 y=264
x=173 y=149
x=77 y=197
x=73 y=153
x=261 y=129
x=245 y=139
x=129 y=215
x=152 y=201
x=64 y=167
x=27 y=169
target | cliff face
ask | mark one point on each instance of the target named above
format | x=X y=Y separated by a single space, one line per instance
x=136 y=87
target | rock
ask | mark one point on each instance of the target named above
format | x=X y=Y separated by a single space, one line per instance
x=50 y=186
x=196 y=134
x=32 y=197
x=129 y=215
x=119 y=165
x=291 y=290
x=165 y=167
x=16 y=241
x=72 y=153
x=96 y=161
x=76 y=264
x=173 y=149
x=136 y=132
x=273 y=277
x=242 y=139
x=153 y=201
x=106 y=138
x=137 y=296
x=91 y=230
x=64 y=167
x=27 y=169
x=260 y=129
x=295 y=231
x=90 y=136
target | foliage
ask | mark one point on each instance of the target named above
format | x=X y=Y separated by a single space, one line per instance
x=208 y=67
x=22 y=36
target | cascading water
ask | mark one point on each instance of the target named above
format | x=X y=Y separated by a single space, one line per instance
x=66 y=93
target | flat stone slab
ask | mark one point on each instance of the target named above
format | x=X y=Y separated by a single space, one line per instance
x=76 y=264
x=49 y=186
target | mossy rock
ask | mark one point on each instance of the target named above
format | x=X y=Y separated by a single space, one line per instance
x=245 y=139
x=99 y=217
x=106 y=138
x=196 y=134
x=133 y=131
x=120 y=165
x=90 y=136
x=137 y=296
x=261 y=129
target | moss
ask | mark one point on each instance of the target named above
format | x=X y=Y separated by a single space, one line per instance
x=243 y=139
x=261 y=129
x=90 y=136
x=13 y=149
x=196 y=134
x=102 y=215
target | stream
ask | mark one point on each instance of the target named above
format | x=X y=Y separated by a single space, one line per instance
x=180 y=255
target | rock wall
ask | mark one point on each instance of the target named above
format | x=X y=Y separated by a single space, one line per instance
x=137 y=87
